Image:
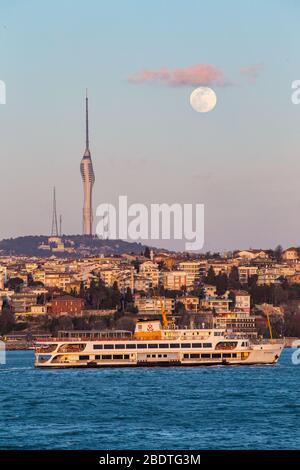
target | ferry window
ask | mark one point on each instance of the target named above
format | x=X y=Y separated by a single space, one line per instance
x=130 y=346
x=195 y=356
x=164 y=345
x=126 y=356
x=98 y=346
x=106 y=356
x=84 y=358
x=159 y=355
x=186 y=356
x=148 y=355
x=119 y=346
x=185 y=345
x=205 y=356
x=174 y=345
x=153 y=346
x=118 y=356
x=226 y=355
x=207 y=345
x=233 y=354
x=165 y=355
x=153 y=355
x=142 y=346
x=216 y=356
x=196 y=345
x=97 y=357
x=108 y=346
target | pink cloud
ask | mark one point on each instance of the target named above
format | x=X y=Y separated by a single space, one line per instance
x=194 y=75
x=252 y=72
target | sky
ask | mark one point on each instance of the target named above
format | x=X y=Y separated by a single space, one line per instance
x=138 y=60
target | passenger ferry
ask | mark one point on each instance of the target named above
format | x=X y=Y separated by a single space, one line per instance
x=153 y=345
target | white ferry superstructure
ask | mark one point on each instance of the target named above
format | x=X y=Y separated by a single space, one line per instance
x=152 y=345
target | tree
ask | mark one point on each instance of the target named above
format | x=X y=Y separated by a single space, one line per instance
x=15 y=283
x=82 y=290
x=40 y=300
x=136 y=264
x=211 y=277
x=252 y=280
x=125 y=323
x=128 y=296
x=147 y=253
x=7 y=321
x=179 y=308
x=221 y=283
x=231 y=297
x=234 y=278
x=278 y=253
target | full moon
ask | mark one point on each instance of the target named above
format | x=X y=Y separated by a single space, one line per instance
x=203 y=99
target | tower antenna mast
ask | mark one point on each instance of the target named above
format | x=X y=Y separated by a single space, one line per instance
x=54 y=228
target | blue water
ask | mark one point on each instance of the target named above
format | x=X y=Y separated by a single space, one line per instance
x=254 y=407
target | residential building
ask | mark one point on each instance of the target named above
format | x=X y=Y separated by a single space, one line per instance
x=237 y=323
x=66 y=304
x=246 y=272
x=242 y=301
x=194 y=271
x=174 y=280
x=154 y=304
x=190 y=302
x=150 y=270
x=291 y=254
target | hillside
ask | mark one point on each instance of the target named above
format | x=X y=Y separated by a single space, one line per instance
x=81 y=245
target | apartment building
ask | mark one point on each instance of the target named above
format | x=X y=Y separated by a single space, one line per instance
x=237 y=323
x=66 y=305
x=245 y=272
x=174 y=280
x=154 y=304
x=191 y=303
x=150 y=270
x=217 y=304
x=291 y=254
x=242 y=301
x=194 y=270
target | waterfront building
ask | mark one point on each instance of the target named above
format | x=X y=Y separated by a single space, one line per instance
x=66 y=304
x=154 y=304
x=237 y=323
x=23 y=301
